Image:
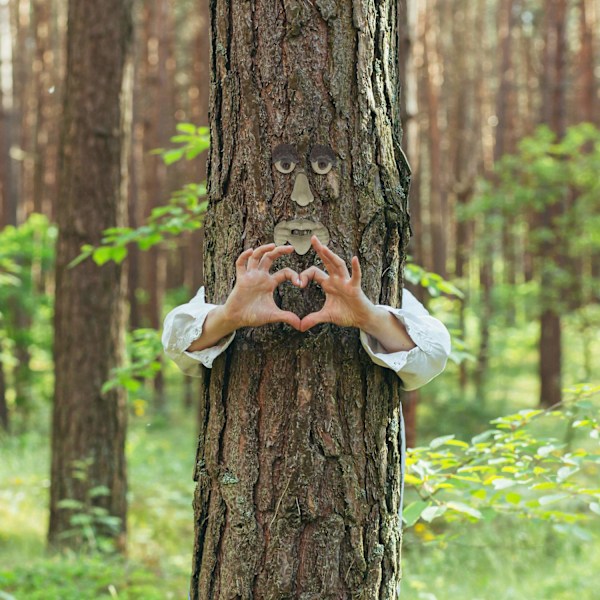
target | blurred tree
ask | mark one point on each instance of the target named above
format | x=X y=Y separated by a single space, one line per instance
x=298 y=464
x=88 y=425
x=554 y=106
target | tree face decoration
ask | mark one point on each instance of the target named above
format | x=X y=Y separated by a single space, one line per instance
x=306 y=222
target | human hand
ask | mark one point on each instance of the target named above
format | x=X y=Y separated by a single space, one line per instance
x=251 y=303
x=345 y=302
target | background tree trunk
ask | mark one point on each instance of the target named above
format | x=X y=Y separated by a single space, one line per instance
x=89 y=316
x=299 y=461
x=551 y=253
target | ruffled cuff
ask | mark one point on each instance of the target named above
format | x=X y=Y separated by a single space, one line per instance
x=182 y=326
x=421 y=364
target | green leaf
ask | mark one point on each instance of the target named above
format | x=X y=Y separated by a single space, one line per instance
x=172 y=156
x=108 y=385
x=465 y=509
x=81 y=519
x=412 y=512
x=458 y=443
x=481 y=494
x=149 y=241
x=70 y=504
x=98 y=512
x=550 y=499
x=440 y=441
x=483 y=437
x=131 y=384
x=97 y=491
x=595 y=507
x=544 y=451
x=565 y=472
x=513 y=498
x=102 y=255
x=433 y=512
x=111 y=521
x=191 y=153
x=189 y=128
x=544 y=485
x=86 y=252
x=501 y=483
x=119 y=253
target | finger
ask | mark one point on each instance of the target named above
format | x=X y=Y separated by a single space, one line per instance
x=285 y=316
x=313 y=319
x=258 y=254
x=356 y=272
x=287 y=274
x=335 y=265
x=316 y=244
x=270 y=257
x=313 y=274
x=241 y=262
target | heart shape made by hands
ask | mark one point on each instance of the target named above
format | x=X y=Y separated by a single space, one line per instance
x=345 y=303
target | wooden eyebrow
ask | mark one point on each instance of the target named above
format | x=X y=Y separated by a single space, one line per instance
x=320 y=151
x=285 y=152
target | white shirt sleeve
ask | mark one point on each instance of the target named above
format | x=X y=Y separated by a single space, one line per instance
x=415 y=367
x=181 y=327
x=428 y=359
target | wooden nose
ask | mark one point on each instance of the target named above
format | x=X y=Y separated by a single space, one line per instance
x=301 y=193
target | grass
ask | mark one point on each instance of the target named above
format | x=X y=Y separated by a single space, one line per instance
x=161 y=455
x=507 y=559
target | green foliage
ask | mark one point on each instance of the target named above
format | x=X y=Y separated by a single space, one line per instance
x=443 y=559
x=183 y=212
x=81 y=578
x=499 y=559
x=547 y=195
x=515 y=468
x=160 y=520
x=26 y=303
x=192 y=142
x=92 y=525
x=144 y=349
x=434 y=284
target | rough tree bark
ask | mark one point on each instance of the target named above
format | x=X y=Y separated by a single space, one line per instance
x=89 y=316
x=299 y=459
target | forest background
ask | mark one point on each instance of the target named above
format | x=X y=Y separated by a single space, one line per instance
x=500 y=118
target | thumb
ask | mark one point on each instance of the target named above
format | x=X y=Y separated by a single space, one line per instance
x=285 y=316
x=314 y=319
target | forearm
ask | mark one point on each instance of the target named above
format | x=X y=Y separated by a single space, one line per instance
x=216 y=326
x=382 y=325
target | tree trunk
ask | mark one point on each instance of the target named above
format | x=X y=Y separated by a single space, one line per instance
x=8 y=194
x=551 y=251
x=586 y=109
x=299 y=461
x=4 y=415
x=437 y=194
x=89 y=317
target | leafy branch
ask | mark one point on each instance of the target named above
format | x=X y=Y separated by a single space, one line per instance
x=183 y=212
x=513 y=469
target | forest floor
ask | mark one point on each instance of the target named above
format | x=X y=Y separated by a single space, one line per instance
x=503 y=559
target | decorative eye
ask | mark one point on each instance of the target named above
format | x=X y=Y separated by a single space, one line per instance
x=285 y=165
x=322 y=166
x=322 y=159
